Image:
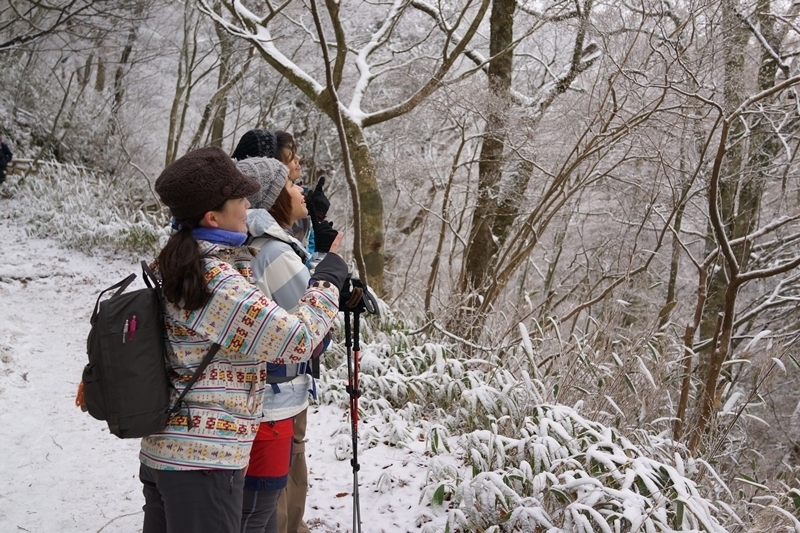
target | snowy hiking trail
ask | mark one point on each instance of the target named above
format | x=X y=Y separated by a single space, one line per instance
x=62 y=471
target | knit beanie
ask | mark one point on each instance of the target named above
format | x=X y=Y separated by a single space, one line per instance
x=256 y=143
x=200 y=181
x=270 y=173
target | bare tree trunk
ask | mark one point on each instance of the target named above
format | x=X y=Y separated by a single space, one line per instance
x=183 y=86
x=434 y=272
x=482 y=244
x=371 y=205
x=688 y=353
x=100 y=78
x=741 y=187
x=738 y=277
x=221 y=108
x=499 y=200
x=122 y=68
x=733 y=93
x=52 y=133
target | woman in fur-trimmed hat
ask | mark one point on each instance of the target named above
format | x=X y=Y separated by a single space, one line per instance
x=192 y=471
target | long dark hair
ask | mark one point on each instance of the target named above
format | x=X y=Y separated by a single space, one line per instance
x=181 y=267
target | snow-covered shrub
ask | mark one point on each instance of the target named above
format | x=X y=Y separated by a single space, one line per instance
x=565 y=473
x=85 y=210
x=543 y=466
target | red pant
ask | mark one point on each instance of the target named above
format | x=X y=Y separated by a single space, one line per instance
x=271 y=454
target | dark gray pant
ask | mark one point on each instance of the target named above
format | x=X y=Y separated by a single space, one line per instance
x=259 y=514
x=191 y=501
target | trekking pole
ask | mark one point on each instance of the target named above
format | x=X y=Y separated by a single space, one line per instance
x=356 y=357
x=355 y=301
x=352 y=389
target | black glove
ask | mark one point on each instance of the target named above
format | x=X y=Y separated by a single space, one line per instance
x=332 y=268
x=324 y=235
x=316 y=201
x=318 y=204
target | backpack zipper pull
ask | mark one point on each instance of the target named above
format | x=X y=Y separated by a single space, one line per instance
x=132 y=328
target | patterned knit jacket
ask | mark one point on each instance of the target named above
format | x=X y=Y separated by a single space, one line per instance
x=225 y=403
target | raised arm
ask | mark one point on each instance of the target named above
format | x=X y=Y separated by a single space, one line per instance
x=242 y=319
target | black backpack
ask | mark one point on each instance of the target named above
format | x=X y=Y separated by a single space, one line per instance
x=125 y=382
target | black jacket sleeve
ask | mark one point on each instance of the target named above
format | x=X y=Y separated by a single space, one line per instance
x=6 y=153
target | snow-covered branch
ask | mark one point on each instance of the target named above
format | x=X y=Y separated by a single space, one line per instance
x=764 y=43
x=376 y=40
x=437 y=79
x=476 y=57
x=251 y=28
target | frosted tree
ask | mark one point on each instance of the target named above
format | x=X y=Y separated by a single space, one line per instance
x=495 y=210
x=385 y=60
x=26 y=21
x=67 y=68
x=752 y=226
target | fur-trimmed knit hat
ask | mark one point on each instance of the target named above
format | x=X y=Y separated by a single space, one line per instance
x=200 y=181
x=256 y=143
x=270 y=173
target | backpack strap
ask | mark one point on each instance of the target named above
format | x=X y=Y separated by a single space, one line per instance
x=149 y=277
x=302 y=254
x=153 y=282
x=203 y=364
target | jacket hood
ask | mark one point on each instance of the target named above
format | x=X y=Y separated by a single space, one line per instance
x=260 y=223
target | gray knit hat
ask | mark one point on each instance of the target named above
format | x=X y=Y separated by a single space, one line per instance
x=270 y=173
x=200 y=181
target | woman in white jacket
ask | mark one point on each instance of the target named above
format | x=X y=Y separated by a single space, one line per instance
x=284 y=276
x=280 y=273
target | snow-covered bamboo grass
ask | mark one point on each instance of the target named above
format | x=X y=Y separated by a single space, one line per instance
x=86 y=210
x=505 y=457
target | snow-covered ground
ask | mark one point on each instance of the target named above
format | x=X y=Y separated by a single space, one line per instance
x=61 y=470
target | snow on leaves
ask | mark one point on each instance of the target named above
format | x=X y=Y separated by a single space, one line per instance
x=538 y=467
